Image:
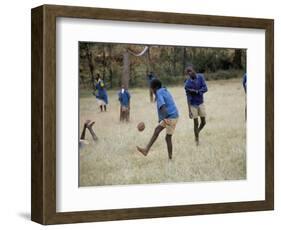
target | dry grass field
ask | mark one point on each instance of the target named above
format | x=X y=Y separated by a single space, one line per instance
x=114 y=160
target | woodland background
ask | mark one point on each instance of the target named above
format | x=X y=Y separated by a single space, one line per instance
x=116 y=63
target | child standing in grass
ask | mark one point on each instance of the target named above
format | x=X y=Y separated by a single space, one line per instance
x=195 y=87
x=124 y=99
x=167 y=116
x=101 y=96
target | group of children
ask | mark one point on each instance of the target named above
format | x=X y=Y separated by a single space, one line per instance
x=195 y=86
x=123 y=97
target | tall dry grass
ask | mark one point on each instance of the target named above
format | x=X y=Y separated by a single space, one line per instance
x=114 y=160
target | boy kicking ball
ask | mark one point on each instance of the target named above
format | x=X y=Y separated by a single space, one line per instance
x=167 y=114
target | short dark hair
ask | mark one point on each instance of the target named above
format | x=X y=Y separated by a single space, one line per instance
x=188 y=65
x=155 y=84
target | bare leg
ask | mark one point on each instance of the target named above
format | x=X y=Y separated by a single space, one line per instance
x=127 y=114
x=90 y=124
x=169 y=145
x=154 y=137
x=82 y=137
x=120 y=117
x=101 y=108
x=90 y=127
x=196 y=131
x=104 y=108
x=202 y=123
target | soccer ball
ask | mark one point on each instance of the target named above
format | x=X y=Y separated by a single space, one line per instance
x=141 y=126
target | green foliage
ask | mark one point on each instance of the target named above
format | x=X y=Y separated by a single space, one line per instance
x=167 y=62
x=224 y=74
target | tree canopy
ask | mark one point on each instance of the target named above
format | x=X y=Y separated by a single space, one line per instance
x=117 y=62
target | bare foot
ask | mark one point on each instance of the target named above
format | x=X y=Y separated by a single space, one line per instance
x=83 y=141
x=142 y=150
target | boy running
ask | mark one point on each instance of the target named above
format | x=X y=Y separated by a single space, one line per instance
x=195 y=87
x=167 y=114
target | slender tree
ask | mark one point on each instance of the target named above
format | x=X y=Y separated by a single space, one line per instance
x=110 y=64
x=89 y=57
x=103 y=61
x=174 y=61
x=184 y=58
x=126 y=69
x=147 y=61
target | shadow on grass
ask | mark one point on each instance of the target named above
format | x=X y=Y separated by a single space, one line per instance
x=24 y=215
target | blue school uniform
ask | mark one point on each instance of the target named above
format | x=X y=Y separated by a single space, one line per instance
x=101 y=94
x=124 y=98
x=195 y=88
x=163 y=97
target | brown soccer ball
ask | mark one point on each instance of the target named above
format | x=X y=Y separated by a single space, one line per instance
x=141 y=126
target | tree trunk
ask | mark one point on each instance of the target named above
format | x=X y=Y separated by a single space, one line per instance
x=184 y=57
x=110 y=64
x=174 y=61
x=91 y=66
x=103 y=62
x=126 y=70
x=148 y=62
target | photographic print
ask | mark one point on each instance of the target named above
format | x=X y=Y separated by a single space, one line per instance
x=153 y=104
x=161 y=114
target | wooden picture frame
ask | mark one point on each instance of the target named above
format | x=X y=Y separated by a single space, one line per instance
x=43 y=170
